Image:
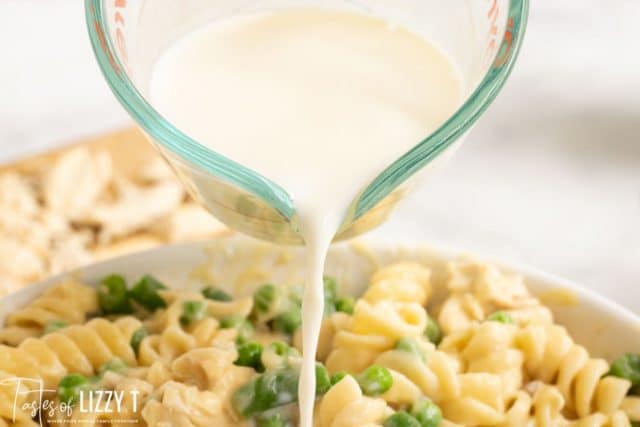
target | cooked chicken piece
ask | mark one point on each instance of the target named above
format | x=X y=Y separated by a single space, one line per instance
x=73 y=185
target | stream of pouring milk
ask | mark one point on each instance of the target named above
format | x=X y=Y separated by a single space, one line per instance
x=319 y=102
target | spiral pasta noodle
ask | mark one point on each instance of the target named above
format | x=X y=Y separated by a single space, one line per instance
x=178 y=404
x=437 y=377
x=174 y=339
x=489 y=347
x=403 y=282
x=77 y=348
x=13 y=395
x=187 y=359
x=553 y=358
x=68 y=301
x=345 y=406
x=477 y=290
x=374 y=328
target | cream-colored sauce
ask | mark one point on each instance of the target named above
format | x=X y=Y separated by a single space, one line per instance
x=319 y=102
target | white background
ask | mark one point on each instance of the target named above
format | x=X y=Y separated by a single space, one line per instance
x=549 y=177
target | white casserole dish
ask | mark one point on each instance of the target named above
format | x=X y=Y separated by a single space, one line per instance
x=240 y=264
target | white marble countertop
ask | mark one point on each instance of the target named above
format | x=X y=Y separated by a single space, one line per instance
x=549 y=177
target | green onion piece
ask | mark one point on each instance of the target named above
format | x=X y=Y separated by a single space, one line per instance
x=145 y=293
x=216 y=294
x=71 y=387
x=136 y=339
x=54 y=326
x=264 y=298
x=401 y=419
x=113 y=296
x=627 y=366
x=375 y=380
x=249 y=355
x=192 y=311
x=337 y=377
x=427 y=413
x=113 y=365
x=432 y=331
x=345 y=305
x=501 y=317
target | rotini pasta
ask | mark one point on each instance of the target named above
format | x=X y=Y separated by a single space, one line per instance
x=403 y=282
x=69 y=303
x=489 y=347
x=477 y=290
x=373 y=329
x=77 y=348
x=553 y=358
x=178 y=358
x=345 y=406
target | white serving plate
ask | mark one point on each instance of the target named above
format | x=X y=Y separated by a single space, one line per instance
x=240 y=264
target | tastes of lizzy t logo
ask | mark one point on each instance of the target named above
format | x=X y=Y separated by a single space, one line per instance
x=30 y=399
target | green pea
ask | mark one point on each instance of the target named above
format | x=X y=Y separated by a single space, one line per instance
x=113 y=365
x=245 y=331
x=216 y=294
x=288 y=322
x=245 y=328
x=295 y=295
x=427 y=413
x=231 y=321
x=323 y=380
x=345 y=305
x=375 y=380
x=249 y=355
x=267 y=391
x=330 y=287
x=273 y=420
x=410 y=346
x=71 y=387
x=145 y=293
x=113 y=295
x=54 y=326
x=432 y=331
x=283 y=349
x=192 y=311
x=501 y=317
x=627 y=366
x=264 y=298
x=401 y=419
x=330 y=295
x=337 y=377
x=136 y=339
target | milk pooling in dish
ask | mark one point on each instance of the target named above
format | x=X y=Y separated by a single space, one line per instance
x=319 y=102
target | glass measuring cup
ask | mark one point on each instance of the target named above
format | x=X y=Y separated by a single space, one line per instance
x=481 y=36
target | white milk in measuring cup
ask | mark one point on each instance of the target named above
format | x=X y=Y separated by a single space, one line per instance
x=317 y=101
